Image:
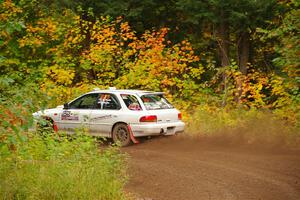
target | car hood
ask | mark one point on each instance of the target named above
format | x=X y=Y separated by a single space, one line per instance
x=46 y=112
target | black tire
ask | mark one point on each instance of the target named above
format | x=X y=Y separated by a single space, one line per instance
x=121 y=135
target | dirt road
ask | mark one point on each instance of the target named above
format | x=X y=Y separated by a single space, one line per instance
x=178 y=168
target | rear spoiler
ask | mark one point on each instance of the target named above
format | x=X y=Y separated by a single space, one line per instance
x=153 y=93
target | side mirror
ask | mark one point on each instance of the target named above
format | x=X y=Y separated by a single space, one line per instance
x=66 y=106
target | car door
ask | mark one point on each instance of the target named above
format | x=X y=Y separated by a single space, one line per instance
x=105 y=114
x=77 y=115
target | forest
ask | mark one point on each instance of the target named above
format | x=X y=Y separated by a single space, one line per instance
x=224 y=63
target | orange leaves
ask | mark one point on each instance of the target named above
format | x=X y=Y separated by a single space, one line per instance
x=109 y=41
x=126 y=32
x=33 y=41
x=12 y=119
x=256 y=89
x=42 y=32
x=159 y=65
x=74 y=36
x=108 y=53
x=8 y=10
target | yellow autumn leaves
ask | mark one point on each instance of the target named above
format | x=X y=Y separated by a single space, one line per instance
x=108 y=53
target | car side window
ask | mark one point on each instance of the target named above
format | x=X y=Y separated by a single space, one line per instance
x=85 y=102
x=131 y=102
x=107 y=102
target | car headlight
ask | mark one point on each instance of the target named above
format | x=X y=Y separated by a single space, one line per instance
x=36 y=115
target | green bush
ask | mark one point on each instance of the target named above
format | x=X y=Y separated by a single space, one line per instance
x=56 y=166
x=47 y=165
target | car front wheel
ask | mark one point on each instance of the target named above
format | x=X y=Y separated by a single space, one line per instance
x=121 y=135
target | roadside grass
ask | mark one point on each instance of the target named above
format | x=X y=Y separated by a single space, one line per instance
x=57 y=166
x=247 y=127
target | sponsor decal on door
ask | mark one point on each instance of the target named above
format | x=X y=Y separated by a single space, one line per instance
x=67 y=115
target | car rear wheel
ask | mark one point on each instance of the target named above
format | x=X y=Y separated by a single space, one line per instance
x=121 y=135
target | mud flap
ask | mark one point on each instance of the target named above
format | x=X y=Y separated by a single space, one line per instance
x=133 y=139
x=55 y=127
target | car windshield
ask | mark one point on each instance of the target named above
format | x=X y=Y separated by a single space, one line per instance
x=155 y=102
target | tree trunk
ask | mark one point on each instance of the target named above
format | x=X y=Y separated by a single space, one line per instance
x=223 y=42
x=243 y=48
x=223 y=49
x=243 y=53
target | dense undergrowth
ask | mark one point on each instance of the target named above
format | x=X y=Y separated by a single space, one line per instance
x=46 y=165
x=58 y=167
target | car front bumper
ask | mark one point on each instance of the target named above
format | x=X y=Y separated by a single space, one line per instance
x=149 y=129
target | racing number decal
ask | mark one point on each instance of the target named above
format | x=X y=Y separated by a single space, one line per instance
x=67 y=115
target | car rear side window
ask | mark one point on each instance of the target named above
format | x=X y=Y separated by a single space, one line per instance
x=131 y=102
x=155 y=102
x=107 y=102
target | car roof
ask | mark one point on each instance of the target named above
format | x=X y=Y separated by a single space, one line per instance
x=128 y=91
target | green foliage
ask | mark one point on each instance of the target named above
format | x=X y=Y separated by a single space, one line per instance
x=47 y=165
x=289 y=48
x=57 y=166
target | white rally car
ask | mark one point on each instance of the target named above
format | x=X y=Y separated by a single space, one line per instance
x=118 y=114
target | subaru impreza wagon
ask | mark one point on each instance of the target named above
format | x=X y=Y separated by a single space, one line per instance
x=121 y=115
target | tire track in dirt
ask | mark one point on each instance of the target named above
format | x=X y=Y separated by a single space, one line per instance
x=176 y=168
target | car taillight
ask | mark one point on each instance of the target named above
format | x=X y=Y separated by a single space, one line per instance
x=149 y=118
x=179 y=116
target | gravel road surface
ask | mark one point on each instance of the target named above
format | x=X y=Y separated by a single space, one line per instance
x=179 y=168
